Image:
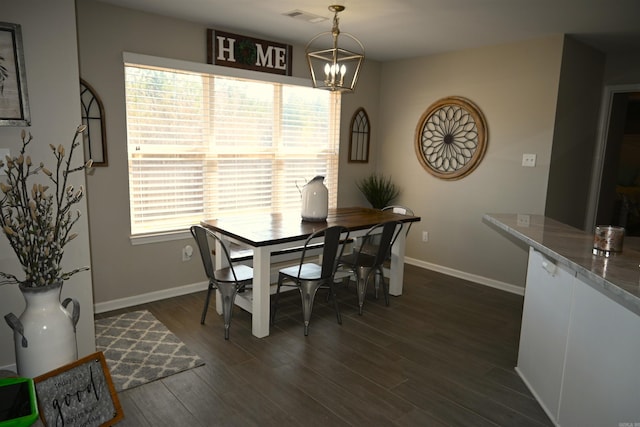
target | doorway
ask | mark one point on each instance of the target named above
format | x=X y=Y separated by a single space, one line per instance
x=618 y=197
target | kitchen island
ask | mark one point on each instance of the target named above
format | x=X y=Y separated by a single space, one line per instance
x=579 y=347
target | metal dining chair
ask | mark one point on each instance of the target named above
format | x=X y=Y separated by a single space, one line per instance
x=228 y=280
x=402 y=210
x=308 y=277
x=368 y=259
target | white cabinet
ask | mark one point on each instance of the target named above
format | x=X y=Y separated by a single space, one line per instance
x=601 y=385
x=545 y=324
x=579 y=349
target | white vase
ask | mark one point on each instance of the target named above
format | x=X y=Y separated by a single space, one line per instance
x=315 y=200
x=45 y=333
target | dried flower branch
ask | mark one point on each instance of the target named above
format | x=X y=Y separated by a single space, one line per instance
x=36 y=222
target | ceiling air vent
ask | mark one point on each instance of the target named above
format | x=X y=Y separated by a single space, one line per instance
x=305 y=16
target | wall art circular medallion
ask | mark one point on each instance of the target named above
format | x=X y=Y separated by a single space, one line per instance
x=451 y=138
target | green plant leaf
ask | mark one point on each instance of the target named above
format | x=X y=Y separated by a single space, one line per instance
x=378 y=189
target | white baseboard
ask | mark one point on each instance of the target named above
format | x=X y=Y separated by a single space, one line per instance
x=149 y=297
x=202 y=286
x=12 y=368
x=485 y=281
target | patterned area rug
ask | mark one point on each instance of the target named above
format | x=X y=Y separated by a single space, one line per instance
x=139 y=349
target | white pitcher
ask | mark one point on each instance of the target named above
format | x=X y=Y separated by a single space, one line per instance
x=45 y=333
x=315 y=200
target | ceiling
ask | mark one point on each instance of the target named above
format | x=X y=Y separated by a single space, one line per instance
x=397 y=29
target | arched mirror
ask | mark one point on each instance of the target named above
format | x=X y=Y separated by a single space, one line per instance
x=359 y=138
x=95 y=140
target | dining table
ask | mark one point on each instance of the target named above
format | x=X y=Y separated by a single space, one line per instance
x=268 y=234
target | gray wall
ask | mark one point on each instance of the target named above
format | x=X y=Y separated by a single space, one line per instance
x=622 y=69
x=51 y=57
x=515 y=86
x=574 y=139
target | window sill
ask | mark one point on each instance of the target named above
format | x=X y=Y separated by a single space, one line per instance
x=167 y=236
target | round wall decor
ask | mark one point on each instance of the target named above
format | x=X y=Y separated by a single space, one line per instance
x=451 y=138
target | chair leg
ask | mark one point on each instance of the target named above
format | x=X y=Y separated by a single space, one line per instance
x=307 y=293
x=362 y=279
x=228 y=292
x=345 y=281
x=376 y=286
x=332 y=294
x=275 y=299
x=206 y=304
x=385 y=287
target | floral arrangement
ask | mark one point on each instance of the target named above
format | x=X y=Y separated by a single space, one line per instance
x=38 y=222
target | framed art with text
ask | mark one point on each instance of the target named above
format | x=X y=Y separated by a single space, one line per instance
x=79 y=394
x=14 y=101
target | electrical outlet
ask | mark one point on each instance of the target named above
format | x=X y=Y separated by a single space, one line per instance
x=425 y=236
x=187 y=252
x=529 y=160
x=523 y=220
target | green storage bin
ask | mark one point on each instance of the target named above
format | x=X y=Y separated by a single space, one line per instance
x=18 y=404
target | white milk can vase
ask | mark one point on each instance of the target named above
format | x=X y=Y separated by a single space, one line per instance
x=45 y=333
x=315 y=200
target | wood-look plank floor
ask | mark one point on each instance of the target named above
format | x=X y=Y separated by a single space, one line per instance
x=442 y=354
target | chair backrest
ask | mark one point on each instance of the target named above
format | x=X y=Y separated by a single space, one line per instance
x=202 y=236
x=380 y=240
x=402 y=210
x=335 y=239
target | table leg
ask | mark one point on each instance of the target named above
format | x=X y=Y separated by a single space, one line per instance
x=396 y=272
x=261 y=291
x=220 y=262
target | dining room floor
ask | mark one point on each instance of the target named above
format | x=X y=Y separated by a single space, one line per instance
x=442 y=354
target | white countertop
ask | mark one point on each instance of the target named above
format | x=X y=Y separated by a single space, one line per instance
x=616 y=276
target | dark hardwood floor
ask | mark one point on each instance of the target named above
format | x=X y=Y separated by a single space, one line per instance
x=442 y=354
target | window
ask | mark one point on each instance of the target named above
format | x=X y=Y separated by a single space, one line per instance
x=203 y=145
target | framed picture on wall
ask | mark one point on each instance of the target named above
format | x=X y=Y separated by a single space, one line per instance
x=14 y=102
x=359 y=138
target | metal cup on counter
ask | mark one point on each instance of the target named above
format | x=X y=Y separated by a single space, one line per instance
x=608 y=240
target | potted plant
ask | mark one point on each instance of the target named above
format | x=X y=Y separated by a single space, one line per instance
x=379 y=190
x=37 y=220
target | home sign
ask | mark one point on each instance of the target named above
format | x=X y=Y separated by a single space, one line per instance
x=233 y=50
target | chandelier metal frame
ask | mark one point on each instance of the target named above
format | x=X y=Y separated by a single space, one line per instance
x=335 y=68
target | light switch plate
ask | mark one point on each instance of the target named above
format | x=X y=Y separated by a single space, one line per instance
x=529 y=160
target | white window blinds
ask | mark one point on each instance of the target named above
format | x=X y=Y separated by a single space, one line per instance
x=203 y=146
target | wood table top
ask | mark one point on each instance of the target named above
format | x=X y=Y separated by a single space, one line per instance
x=274 y=228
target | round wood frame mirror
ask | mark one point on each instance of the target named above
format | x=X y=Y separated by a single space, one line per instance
x=451 y=138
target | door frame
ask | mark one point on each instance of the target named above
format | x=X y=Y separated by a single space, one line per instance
x=601 y=144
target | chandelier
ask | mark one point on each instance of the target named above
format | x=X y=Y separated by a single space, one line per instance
x=335 y=68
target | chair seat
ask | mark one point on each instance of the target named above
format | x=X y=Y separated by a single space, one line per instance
x=243 y=273
x=308 y=271
x=362 y=259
